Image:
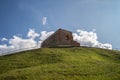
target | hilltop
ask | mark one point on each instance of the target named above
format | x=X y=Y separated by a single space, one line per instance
x=77 y=63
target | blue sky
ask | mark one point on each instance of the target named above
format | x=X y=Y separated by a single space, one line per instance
x=18 y=16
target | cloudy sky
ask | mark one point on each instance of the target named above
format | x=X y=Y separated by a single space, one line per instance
x=94 y=23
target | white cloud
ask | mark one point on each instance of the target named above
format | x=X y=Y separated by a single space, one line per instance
x=4 y=49
x=18 y=43
x=44 y=20
x=39 y=44
x=32 y=34
x=86 y=38
x=3 y=46
x=4 y=39
x=105 y=45
x=45 y=35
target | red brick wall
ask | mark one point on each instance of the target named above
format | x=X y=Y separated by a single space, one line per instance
x=60 y=38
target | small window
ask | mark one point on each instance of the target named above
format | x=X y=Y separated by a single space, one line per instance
x=67 y=37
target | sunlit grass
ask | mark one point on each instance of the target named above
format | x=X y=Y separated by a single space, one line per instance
x=61 y=64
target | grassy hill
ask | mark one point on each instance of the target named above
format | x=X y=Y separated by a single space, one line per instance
x=61 y=64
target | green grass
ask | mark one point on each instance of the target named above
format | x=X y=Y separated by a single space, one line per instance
x=78 y=63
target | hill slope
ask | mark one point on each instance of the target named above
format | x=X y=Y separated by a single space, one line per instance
x=61 y=64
